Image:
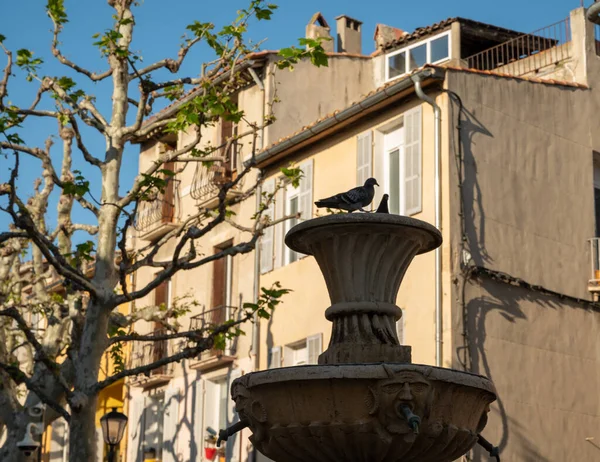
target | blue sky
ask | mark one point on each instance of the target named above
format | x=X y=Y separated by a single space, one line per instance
x=160 y=25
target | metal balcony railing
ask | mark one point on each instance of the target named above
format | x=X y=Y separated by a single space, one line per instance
x=144 y=353
x=528 y=52
x=213 y=318
x=207 y=181
x=164 y=209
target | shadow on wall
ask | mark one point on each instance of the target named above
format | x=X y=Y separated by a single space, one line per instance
x=487 y=296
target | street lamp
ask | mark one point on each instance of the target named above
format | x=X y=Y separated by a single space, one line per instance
x=113 y=427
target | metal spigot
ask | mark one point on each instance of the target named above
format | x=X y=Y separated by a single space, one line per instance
x=236 y=427
x=414 y=421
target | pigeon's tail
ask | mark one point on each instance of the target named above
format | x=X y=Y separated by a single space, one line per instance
x=327 y=203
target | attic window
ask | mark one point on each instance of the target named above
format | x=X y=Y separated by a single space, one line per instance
x=431 y=51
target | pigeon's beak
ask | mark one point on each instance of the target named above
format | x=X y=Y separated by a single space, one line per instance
x=376 y=183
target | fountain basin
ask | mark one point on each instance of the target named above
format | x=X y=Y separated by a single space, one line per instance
x=352 y=412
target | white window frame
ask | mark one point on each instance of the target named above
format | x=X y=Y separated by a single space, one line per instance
x=386 y=162
x=406 y=49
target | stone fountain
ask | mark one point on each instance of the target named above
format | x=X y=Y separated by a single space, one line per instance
x=365 y=401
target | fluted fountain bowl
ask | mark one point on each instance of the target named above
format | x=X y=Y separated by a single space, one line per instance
x=353 y=413
x=365 y=401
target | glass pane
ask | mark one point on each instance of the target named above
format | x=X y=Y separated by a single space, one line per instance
x=397 y=65
x=394 y=204
x=223 y=399
x=439 y=49
x=417 y=57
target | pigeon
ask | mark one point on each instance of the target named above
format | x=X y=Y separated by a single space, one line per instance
x=383 y=205
x=352 y=200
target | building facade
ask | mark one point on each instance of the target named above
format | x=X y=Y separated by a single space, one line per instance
x=513 y=185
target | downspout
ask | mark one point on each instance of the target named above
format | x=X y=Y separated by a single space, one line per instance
x=593 y=13
x=437 y=133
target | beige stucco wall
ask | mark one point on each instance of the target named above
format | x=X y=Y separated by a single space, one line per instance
x=302 y=313
x=529 y=209
x=308 y=92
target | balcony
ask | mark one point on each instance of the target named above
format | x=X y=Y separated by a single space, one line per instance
x=213 y=358
x=144 y=353
x=528 y=53
x=157 y=217
x=208 y=180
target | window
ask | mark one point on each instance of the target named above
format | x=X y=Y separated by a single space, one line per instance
x=402 y=164
x=288 y=201
x=432 y=51
x=223 y=400
x=306 y=351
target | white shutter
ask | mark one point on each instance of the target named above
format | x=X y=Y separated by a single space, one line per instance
x=314 y=346
x=275 y=358
x=279 y=248
x=305 y=202
x=412 y=162
x=211 y=405
x=378 y=167
x=58 y=441
x=266 y=240
x=288 y=356
x=198 y=420
x=400 y=328
x=170 y=425
x=234 y=441
x=363 y=158
x=135 y=426
x=99 y=445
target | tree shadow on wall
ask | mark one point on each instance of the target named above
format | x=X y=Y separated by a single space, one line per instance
x=506 y=300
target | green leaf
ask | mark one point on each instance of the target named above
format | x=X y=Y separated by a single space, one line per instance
x=2 y=38
x=56 y=10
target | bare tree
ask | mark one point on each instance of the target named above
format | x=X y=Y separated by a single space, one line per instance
x=53 y=343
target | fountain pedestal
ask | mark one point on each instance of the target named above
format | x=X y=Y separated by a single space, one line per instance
x=365 y=401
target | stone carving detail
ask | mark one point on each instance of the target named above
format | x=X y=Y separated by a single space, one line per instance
x=385 y=401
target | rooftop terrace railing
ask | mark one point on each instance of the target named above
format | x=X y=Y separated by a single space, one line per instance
x=527 y=53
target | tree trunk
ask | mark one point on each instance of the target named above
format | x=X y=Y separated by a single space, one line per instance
x=15 y=433
x=82 y=432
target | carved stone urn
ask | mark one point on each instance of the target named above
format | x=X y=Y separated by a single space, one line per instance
x=364 y=401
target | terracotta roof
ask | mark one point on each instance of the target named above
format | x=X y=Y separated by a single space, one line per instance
x=421 y=32
x=450 y=68
x=561 y=83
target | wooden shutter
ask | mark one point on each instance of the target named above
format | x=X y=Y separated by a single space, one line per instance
x=234 y=441
x=266 y=240
x=168 y=205
x=135 y=426
x=412 y=161
x=363 y=158
x=279 y=229
x=170 y=421
x=219 y=287
x=314 y=346
x=305 y=202
x=275 y=360
x=58 y=441
x=198 y=430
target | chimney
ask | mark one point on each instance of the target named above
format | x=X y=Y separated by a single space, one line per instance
x=386 y=34
x=348 y=35
x=318 y=27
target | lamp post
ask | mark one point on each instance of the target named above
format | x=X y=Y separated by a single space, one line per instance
x=113 y=426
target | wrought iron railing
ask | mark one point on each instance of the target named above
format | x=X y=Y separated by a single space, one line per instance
x=165 y=208
x=212 y=318
x=207 y=180
x=528 y=52
x=144 y=353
